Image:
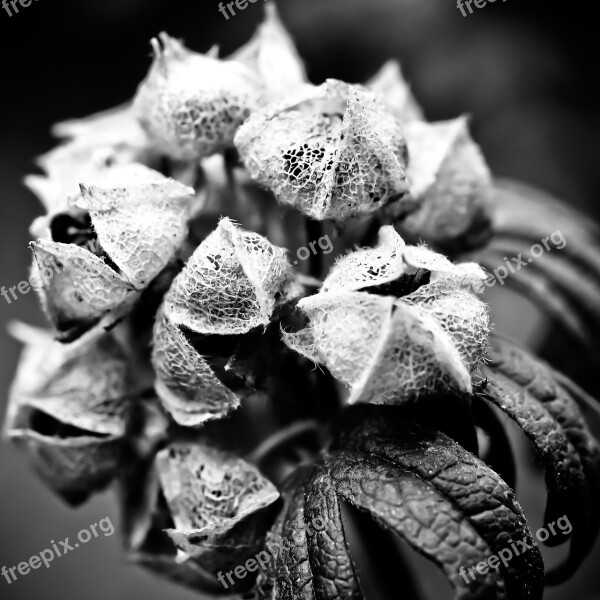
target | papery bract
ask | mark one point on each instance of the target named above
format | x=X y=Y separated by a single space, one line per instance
x=68 y=410
x=191 y=104
x=385 y=348
x=332 y=152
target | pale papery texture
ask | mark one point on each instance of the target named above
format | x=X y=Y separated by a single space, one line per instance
x=272 y=54
x=68 y=409
x=191 y=104
x=388 y=349
x=332 y=152
x=449 y=178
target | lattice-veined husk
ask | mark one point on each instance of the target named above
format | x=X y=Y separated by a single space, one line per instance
x=68 y=409
x=219 y=504
x=140 y=220
x=389 y=85
x=188 y=388
x=231 y=284
x=388 y=349
x=191 y=104
x=94 y=144
x=272 y=54
x=449 y=178
x=332 y=152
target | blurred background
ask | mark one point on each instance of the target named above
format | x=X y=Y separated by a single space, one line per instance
x=524 y=70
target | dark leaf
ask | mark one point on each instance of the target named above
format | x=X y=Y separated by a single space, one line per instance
x=530 y=393
x=484 y=501
x=565 y=281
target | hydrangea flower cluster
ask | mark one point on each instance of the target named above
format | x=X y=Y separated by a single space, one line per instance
x=181 y=334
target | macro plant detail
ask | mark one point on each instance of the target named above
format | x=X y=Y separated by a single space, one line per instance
x=234 y=399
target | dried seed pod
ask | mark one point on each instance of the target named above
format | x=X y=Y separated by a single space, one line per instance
x=191 y=104
x=140 y=223
x=272 y=54
x=394 y=322
x=449 y=177
x=188 y=388
x=231 y=283
x=230 y=286
x=332 y=152
x=68 y=410
x=390 y=87
x=221 y=505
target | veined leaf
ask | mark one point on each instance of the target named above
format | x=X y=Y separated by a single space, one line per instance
x=530 y=393
x=484 y=500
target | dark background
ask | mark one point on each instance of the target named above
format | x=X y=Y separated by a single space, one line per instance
x=526 y=71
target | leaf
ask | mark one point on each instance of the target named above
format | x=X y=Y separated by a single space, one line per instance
x=413 y=509
x=482 y=498
x=307 y=564
x=332 y=152
x=333 y=571
x=498 y=452
x=68 y=410
x=563 y=282
x=527 y=390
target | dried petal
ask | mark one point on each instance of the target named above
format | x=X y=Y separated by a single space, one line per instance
x=388 y=349
x=191 y=104
x=332 y=152
x=272 y=54
x=390 y=87
x=68 y=410
x=231 y=283
x=449 y=178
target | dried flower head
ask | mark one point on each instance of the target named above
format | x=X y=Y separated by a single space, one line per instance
x=177 y=365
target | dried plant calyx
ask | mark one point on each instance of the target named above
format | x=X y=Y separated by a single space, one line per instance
x=332 y=152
